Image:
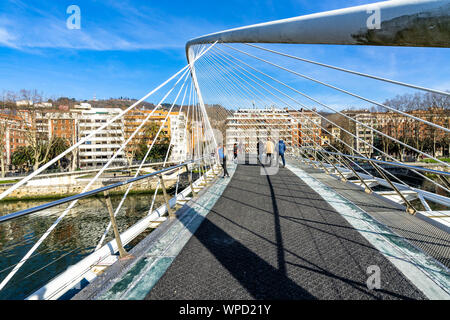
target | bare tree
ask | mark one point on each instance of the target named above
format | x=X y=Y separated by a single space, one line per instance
x=3 y=128
x=439 y=105
x=427 y=106
x=38 y=137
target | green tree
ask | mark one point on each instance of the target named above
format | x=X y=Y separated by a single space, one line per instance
x=59 y=145
x=160 y=146
x=158 y=151
x=22 y=157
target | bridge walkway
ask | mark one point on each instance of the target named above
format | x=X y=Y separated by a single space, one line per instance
x=274 y=237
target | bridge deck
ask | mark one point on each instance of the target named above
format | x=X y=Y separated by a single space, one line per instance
x=273 y=237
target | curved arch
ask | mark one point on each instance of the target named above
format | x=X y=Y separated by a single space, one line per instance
x=423 y=23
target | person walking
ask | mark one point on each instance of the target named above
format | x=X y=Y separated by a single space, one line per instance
x=223 y=158
x=281 y=150
x=270 y=147
x=258 y=150
x=235 y=152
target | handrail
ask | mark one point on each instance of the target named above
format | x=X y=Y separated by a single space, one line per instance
x=47 y=174
x=439 y=172
x=426 y=194
x=55 y=203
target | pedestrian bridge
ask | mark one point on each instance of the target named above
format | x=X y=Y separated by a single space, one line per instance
x=324 y=226
x=298 y=234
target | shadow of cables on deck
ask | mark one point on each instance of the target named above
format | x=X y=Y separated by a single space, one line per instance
x=258 y=277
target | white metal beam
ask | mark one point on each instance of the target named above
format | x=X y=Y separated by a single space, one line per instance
x=387 y=23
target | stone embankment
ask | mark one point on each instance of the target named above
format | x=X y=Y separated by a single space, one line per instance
x=63 y=186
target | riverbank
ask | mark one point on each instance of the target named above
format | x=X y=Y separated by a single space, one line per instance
x=55 y=192
x=61 y=187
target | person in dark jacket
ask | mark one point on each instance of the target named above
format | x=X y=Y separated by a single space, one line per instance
x=223 y=158
x=281 y=150
x=235 y=151
x=258 y=144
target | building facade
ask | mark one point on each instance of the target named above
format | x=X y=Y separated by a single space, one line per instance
x=178 y=137
x=173 y=129
x=295 y=127
x=13 y=135
x=307 y=129
x=98 y=150
x=364 y=136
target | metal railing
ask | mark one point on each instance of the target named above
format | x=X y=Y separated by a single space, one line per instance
x=189 y=166
x=58 y=202
x=383 y=179
x=395 y=164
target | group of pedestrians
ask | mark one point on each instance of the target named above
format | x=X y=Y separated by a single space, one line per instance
x=269 y=150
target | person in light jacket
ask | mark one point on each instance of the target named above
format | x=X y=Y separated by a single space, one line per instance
x=270 y=148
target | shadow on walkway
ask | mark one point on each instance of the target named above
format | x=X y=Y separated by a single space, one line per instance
x=264 y=246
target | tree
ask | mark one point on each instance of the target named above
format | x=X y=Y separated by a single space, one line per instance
x=3 y=128
x=37 y=136
x=59 y=146
x=22 y=157
x=160 y=146
x=158 y=151
x=427 y=106
x=135 y=146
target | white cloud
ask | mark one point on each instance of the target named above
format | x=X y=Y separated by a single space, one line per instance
x=131 y=29
x=6 y=38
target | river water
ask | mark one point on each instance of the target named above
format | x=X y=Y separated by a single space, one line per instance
x=74 y=238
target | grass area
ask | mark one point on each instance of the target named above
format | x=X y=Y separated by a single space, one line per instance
x=86 y=176
x=199 y=171
x=434 y=161
x=8 y=181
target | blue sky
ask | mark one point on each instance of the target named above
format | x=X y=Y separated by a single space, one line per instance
x=126 y=48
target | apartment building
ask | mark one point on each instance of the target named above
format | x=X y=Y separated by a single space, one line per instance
x=12 y=130
x=98 y=150
x=173 y=128
x=307 y=128
x=409 y=130
x=178 y=137
x=56 y=123
x=246 y=126
x=400 y=126
x=364 y=140
x=335 y=133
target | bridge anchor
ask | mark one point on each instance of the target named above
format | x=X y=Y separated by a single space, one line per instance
x=122 y=252
x=166 y=198
x=409 y=207
x=190 y=181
